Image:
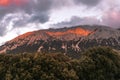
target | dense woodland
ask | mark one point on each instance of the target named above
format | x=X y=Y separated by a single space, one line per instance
x=94 y=64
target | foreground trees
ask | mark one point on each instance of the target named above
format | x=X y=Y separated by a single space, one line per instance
x=95 y=64
x=99 y=64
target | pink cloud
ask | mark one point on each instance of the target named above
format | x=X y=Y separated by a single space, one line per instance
x=112 y=18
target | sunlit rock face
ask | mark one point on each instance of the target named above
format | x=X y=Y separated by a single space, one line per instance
x=66 y=40
x=77 y=31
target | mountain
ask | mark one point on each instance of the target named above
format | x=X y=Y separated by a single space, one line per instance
x=66 y=40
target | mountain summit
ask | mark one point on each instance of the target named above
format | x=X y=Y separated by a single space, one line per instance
x=66 y=40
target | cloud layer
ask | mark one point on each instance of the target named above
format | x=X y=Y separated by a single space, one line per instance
x=88 y=2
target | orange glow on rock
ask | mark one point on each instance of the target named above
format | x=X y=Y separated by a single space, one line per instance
x=77 y=31
x=24 y=35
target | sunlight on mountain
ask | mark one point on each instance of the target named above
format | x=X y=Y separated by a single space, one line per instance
x=77 y=31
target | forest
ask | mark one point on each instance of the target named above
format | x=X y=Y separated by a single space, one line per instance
x=98 y=63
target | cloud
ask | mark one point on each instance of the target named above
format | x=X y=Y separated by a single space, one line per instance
x=112 y=18
x=61 y=3
x=88 y=2
x=78 y=21
x=37 y=7
x=11 y=6
x=40 y=17
x=19 y=13
x=109 y=18
x=29 y=6
x=2 y=30
x=12 y=2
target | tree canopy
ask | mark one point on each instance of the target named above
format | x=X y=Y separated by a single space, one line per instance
x=99 y=63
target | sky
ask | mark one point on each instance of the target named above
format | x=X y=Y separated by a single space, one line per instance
x=21 y=16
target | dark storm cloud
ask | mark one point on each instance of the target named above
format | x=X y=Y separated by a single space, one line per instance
x=31 y=7
x=77 y=21
x=38 y=10
x=37 y=7
x=40 y=17
x=88 y=2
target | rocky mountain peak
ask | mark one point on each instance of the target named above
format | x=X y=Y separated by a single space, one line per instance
x=66 y=40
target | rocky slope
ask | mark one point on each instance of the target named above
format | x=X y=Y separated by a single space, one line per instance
x=65 y=40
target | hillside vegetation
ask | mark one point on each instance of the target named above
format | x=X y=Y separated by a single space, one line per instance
x=95 y=64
